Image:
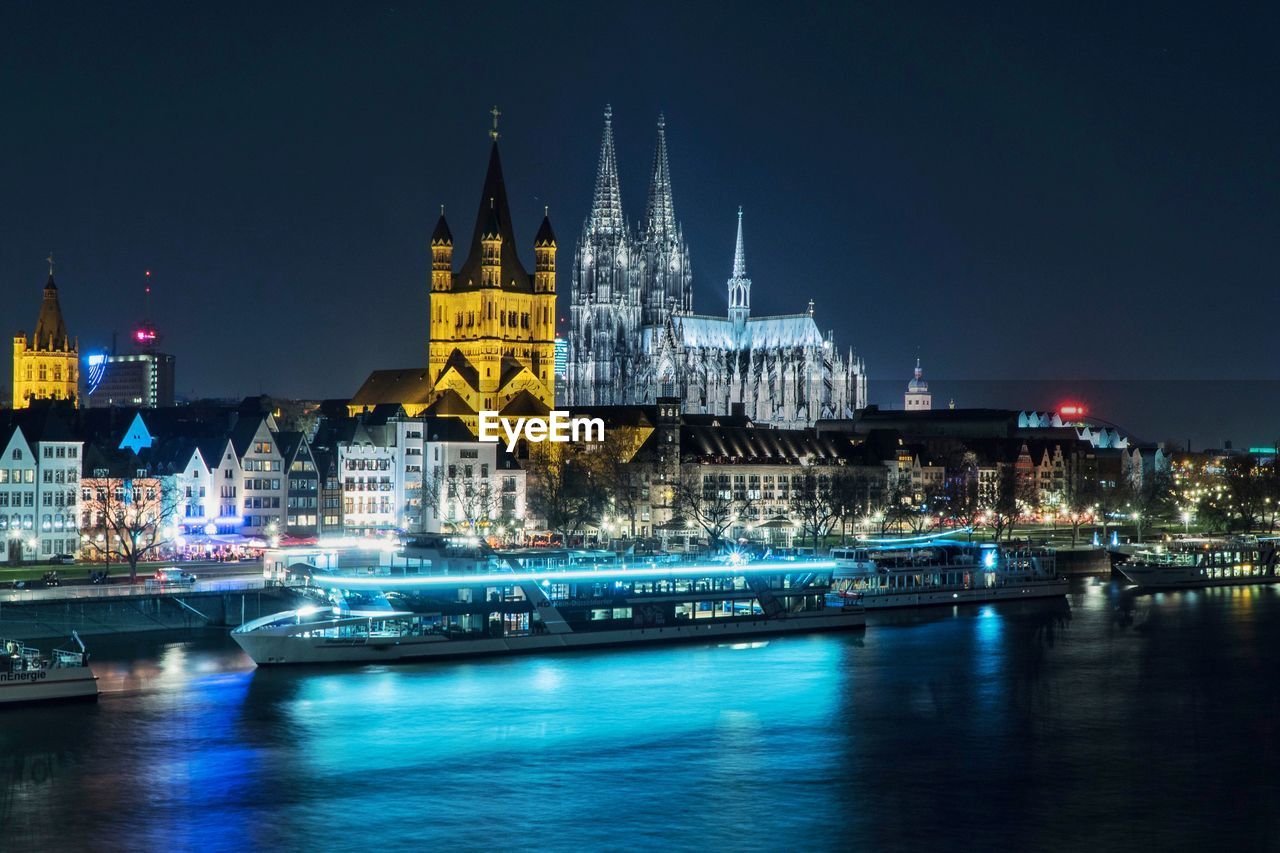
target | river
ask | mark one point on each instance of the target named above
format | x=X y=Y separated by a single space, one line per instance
x=1106 y=721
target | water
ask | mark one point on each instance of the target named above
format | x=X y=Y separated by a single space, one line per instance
x=1109 y=721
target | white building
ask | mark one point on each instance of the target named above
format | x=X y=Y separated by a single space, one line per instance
x=474 y=483
x=917 y=398
x=39 y=487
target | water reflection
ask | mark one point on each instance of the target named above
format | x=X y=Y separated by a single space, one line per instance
x=1023 y=725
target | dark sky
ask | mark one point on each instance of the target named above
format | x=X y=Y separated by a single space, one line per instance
x=1029 y=191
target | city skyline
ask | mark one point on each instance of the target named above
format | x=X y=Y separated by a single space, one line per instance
x=210 y=181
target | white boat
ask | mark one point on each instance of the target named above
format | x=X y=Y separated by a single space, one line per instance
x=1202 y=562
x=934 y=571
x=26 y=675
x=501 y=605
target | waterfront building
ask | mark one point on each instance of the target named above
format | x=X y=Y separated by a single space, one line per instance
x=46 y=364
x=634 y=337
x=491 y=341
x=40 y=459
x=917 y=398
x=302 y=495
x=470 y=485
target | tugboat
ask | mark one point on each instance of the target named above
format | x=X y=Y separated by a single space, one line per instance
x=1203 y=562
x=26 y=675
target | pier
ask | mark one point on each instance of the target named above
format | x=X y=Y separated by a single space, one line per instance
x=147 y=606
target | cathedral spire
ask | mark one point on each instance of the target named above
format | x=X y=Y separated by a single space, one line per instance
x=606 y=208
x=739 y=255
x=739 y=284
x=660 y=214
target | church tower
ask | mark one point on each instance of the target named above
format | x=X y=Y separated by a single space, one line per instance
x=918 y=398
x=666 y=277
x=46 y=366
x=492 y=323
x=604 y=304
x=739 y=284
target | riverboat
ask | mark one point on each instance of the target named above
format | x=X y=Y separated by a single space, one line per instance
x=430 y=603
x=1200 y=562
x=27 y=675
x=932 y=571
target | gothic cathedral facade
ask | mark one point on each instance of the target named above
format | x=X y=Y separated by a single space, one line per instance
x=634 y=337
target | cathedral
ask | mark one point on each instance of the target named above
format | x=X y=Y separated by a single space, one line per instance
x=45 y=366
x=634 y=337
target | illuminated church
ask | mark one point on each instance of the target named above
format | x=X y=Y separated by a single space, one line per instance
x=492 y=323
x=45 y=366
x=634 y=336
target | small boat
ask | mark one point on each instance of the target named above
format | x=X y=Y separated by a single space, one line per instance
x=27 y=675
x=1199 y=562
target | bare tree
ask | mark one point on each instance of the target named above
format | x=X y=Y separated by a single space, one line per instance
x=126 y=519
x=813 y=506
x=850 y=494
x=1002 y=507
x=564 y=488
x=623 y=478
x=711 y=508
x=963 y=500
x=1079 y=494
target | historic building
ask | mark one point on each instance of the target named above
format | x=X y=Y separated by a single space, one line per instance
x=917 y=398
x=45 y=365
x=492 y=323
x=634 y=336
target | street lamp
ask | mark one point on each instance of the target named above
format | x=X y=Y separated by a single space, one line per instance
x=1186 y=522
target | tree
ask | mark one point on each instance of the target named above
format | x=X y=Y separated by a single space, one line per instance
x=813 y=506
x=850 y=493
x=624 y=479
x=1079 y=494
x=461 y=499
x=1150 y=499
x=1002 y=507
x=963 y=499
x=710 y=507
x=126 y=519
x=563 y=488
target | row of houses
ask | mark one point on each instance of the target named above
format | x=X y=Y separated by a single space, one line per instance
x=903 y=456
x=220 y=476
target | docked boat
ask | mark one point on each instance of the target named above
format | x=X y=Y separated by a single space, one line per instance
x=1202 y=562
x=930 y=571
x=430 y=603
x=27 y=675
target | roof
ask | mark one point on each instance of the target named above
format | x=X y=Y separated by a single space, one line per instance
x=51 y=331
x=761 y=445
x=404 y=385
x=779 y=332
x=546 y=236
x=449 y=403
x=525 y=404
x=442 y=235
x=494 y=215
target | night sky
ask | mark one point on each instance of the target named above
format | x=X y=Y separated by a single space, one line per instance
x=1035 y=192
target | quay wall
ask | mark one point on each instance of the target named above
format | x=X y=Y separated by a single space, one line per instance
x=29 y=620
x=1083 y=561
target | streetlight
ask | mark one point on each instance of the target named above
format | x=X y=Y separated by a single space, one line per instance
x=1186 y=522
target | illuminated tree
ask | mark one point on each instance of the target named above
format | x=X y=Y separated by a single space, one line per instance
x=704 y=503
x=813 y=506
x=126 y=519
